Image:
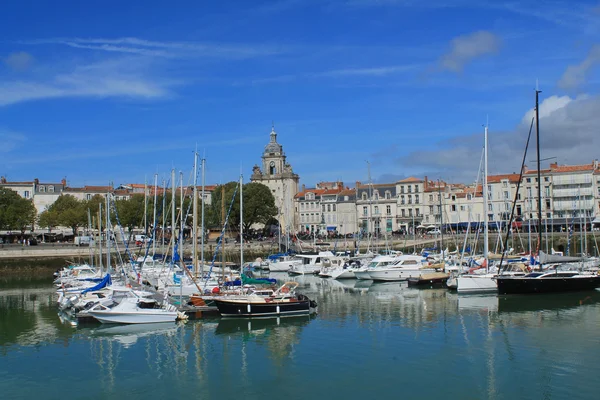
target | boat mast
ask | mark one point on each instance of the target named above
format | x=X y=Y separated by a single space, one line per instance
x=182 y=221
x=173 y=189
x=100 y=238
x=485 y=199
x=154 y=216
x=203 y=165
x=107 y=235
x=241 y=224
x=539 y=174
x=195 y=216
x=441 y=220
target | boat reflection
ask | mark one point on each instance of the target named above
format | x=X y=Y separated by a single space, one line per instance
x=227 y=326
x=128 y=335
x=546 y=302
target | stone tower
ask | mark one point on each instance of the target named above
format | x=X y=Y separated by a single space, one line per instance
x=278 y=176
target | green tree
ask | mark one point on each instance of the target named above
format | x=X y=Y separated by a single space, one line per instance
x=259 y=205
x=48 y=219
x=131 y=211
x=69 y=211
x=15 y=212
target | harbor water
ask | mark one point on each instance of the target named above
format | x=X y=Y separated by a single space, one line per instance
x=368 y=340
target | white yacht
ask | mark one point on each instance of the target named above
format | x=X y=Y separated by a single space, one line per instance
x=377 y=262
x=311 y=264
x=405 y=266
x=283 y=263
x=134 y=310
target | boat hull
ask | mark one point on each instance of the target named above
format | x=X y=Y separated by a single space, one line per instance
x=111 y=317
x=476 y=284
x=229 y=308
x=399 y=274
x=526 y=285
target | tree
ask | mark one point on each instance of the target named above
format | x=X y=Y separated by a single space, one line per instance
x=131 y=211
x=259 y=205
x=15 y=212
x=48 y=219
x=69 y=211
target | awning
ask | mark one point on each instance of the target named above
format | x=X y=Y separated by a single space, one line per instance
x=331 y=228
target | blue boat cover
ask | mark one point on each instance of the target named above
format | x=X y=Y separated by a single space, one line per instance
x=105 y=282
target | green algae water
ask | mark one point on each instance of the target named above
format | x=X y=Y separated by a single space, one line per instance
x=368 y=340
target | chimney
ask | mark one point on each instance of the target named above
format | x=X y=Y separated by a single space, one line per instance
x=358 y=184
x=2 y=179
x=303 y=187
x=596 y=164
x=426 y=184
x=553 y=165
x=36 y=181
x=64 y=182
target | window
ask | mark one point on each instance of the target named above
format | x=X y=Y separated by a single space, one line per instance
x=546 y=179
x=547 y=191
x=410 y=212
x=506 y=207
x=430 y=197
x=42 y=188
x=506 y=195
x=490 y=207
x=430 y=209
x=409 y=189
x=376 y=195
x=416 y=199
x=504 y=184
x=376 y=210
x=548 y=215
x=365 y=211
x=328 y=207
x=302 y=206
x=417 y=212
x=403 y=212
x=528 y=180
x=453 y=198
x=388 y=195
x=409 y=199
x=416 y=188
x=88 y=196
x=401 y=189
x=333 y=208
x=388 y=210
x=51 y=188
x=469 y=197
x=323 y=207
x=547 y=204
x=462 y=208
x=518 y=196
x=364 y=195
x=453 y=207
x=402 y=199
x=26 y=194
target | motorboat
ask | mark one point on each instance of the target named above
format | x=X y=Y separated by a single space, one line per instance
x=284 y=301
x=135 y=310
x=405 y=266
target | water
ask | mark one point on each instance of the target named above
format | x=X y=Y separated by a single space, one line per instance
x=368 y=340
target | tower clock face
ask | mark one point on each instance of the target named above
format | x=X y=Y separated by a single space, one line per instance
x=272 y=164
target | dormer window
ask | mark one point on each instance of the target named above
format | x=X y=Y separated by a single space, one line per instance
x=364 y=196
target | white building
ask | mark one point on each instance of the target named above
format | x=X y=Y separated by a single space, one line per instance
x=43 y=194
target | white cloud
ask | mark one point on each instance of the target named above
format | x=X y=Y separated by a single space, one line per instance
x=575 y=75
x=123 y=77
x=466 y=48
x=132 y=45
x=19 y=61
x=568 y=131
x=371 y=71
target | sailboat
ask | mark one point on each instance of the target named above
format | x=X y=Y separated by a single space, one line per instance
x=549 y=281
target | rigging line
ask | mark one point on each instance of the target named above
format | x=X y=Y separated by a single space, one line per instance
x=219 y=243
x=512 y=212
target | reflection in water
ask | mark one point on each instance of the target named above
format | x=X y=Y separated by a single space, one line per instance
x=508 y=346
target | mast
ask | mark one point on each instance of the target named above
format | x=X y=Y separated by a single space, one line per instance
x=441 y=221
x=107 y=235
x=146 y=207
x=485 y=199
x=173 y=214
x=195 y=217
x=154 y=216
x=241 y=224
x=164 y=216
x=539 y=174
x=182 y=223
x=223 y=230
x=203 y=166
x=100 y=237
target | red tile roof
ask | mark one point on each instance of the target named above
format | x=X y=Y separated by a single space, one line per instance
x=499 y=178
x=411 y=179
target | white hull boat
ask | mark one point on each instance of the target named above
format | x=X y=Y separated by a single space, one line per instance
x=133 y=310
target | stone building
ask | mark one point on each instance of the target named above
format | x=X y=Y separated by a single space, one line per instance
x=42 y=193
x=277 y=174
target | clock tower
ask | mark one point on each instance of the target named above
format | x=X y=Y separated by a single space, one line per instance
x=278 y=176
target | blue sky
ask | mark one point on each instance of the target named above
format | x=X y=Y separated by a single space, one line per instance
x=116 y=91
